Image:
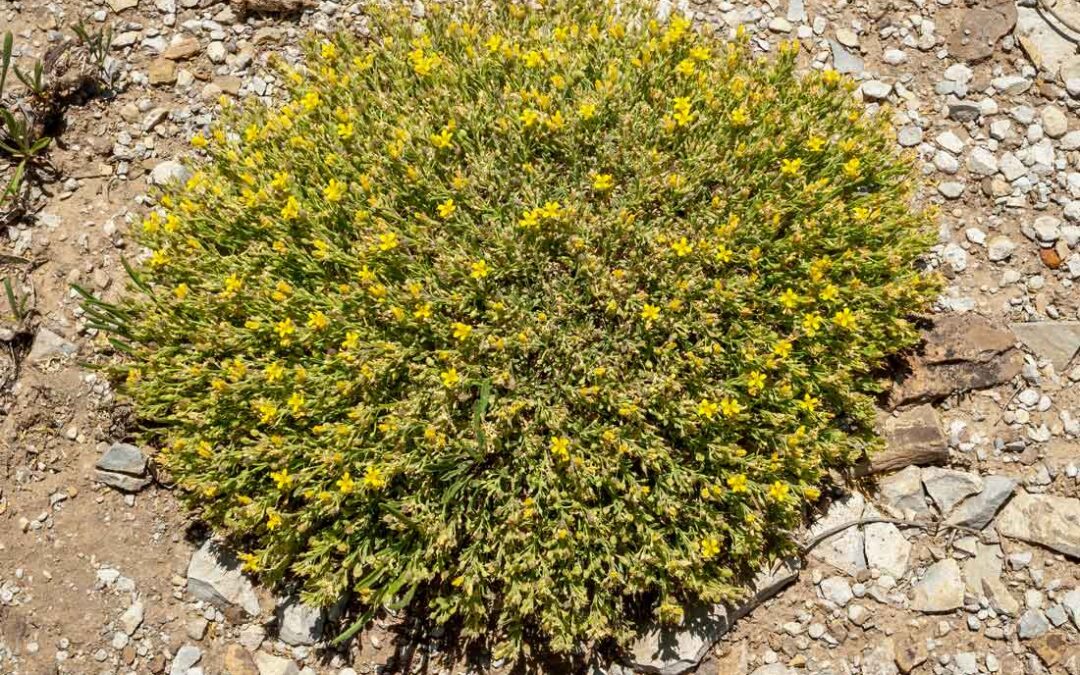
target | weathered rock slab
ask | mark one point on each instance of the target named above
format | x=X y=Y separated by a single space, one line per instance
x=941 y=589
x=1055 y=341
x=977 y=511
x=214 y=576
x=1046 y=520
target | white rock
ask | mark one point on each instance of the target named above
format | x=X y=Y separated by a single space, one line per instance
x=982 y=162
x=1000 y=248
x=941 y=589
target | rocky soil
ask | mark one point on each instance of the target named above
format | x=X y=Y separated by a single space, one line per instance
x=966 y=558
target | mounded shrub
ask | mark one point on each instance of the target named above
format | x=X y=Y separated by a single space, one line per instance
x=527 y=317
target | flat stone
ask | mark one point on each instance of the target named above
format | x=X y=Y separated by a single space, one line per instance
x=903 y=491
x=169 y=171
x=186 y=657
x=941 y=589
x=980 y=28
x=1051 y=648
x=239 y=662
x=1032 y=624
x=910 y=653
x=671 y=650
x=879 y=659
x=844 y=550
x=845 y=62
x=120 y=481
x=912 y=438
x=1049 y=48
x=837 y=591
x=961 y=353
x=948 y=487
x=132 y=618
x=161 y=71
x=668 y=650
x=48 y=346
x=268 y=664
x=982 y=579
x=299 y=624
x=979 y=510
x=118 y=6
x=1054 y=121
x=1055 y=341
x=1000 y=248
x=1053 y=522
x=1071 y=602
x=214 y=576
x=887 y=549
x=875 y=90
x=182 y=49
x=123 y=458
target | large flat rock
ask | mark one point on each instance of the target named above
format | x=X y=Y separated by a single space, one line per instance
x=1046 y=520
x=214 y=576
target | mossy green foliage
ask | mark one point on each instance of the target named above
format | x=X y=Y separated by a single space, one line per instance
x=536 y=315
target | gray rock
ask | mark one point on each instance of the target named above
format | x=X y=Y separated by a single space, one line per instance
x=1071 y=602
x=955 y=256
x=875 y=90
x=774 y=669
x=120 y=481
x=837 y=591
x=887 y=549
x=1000 y=248
x=1048 y=46
x=1055 y=341
x=844 y=61
x=982 y=162
x=123 y=458
x=169 y=171
x=909 y=136
x=948 y=487
x=1011 y=84
x=941 y=589
x=1032 y=624
x=299 y=624
x=844 y=550
x=903 y=491
x=977 y=511
x=186 y=657
x=982 y=578
x=1047 y=229
x=796 y=11
x=880 y=660
x=132 y=618
x=214 y=576
x=268 y=664
x=1053 y=522
x=1054 y=121
x=964 y=111
x=48 y=346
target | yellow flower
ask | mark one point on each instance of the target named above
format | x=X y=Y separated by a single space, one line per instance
x=755 y=382
x=533 y=59
x=682 y=247
x=808 y=403
x=181 y=291
x=443 y=139
x=811 y=323
x=328 y=50
x=274 y=372
x=282 y=479
x=450 y=378
x=789 y=299
x=250 y=560
x=737 y=483
x=778 y=491
x=829 y=292
x=782 y=349
x=480 y=270
x=710 y=548
x=729 y=407
x=233 y=283
x=603 y=182
x=423 y=311
x=291 y=209
x=685 y=67
x=815 y=144
x=739 y=117
x=852 y=167
x=345 y=131
x=199 y=141
x=707 y=408
x=650 y=313
x=586 y=111
x=285 y=328
x=462 y=330
x=845 y=319
x=388 y=241
x=529 y=117
x=560 y=447
x=273 y=520
x=447 y=208
x=790 y=167
x=317 y=321
x=346 y=484
x=830 y=77
x=811 y=493
x=311 y=100
x=700 y=53
x=334 y=190
x=373 y=477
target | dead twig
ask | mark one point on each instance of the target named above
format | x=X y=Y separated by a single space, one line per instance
x=933 y=527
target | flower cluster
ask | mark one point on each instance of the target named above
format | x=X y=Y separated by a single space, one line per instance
x=534 y=314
